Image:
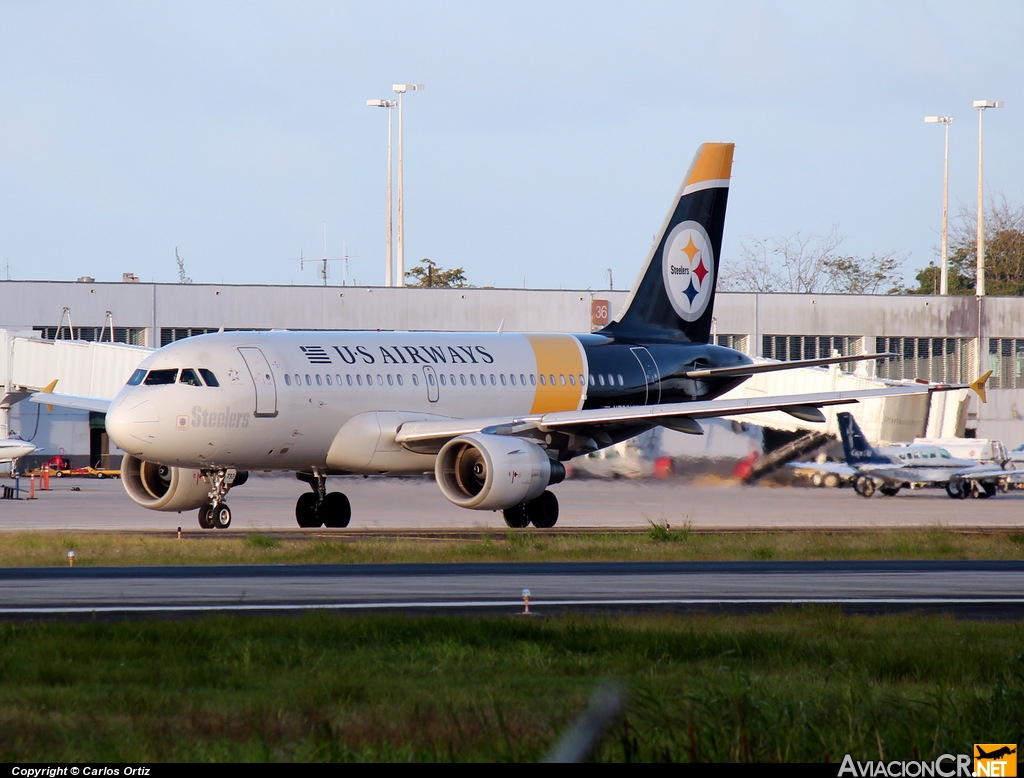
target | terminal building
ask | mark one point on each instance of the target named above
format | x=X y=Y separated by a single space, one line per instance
x=940 y=339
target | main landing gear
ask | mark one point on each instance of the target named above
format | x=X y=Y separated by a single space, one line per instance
x=320 y=507
x=215 y=514
x=541 y=512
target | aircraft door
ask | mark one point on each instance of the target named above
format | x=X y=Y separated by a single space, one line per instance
x=651 y=374
x=430 y=378
x=263 y=381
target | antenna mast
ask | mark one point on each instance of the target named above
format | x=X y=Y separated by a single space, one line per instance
x=323 y=270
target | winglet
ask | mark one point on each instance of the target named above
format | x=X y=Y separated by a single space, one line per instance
x=48 y=389
x=978 y=386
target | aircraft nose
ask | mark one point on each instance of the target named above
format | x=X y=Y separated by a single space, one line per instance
x=132 y=424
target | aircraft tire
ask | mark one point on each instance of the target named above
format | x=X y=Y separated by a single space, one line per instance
x=864 y=486
x=543 y=511
x=817 y=480
x=222 y=516
x=335 y=510
x=889 y=491
x=831 y=480
x=982 y=491
x=956 y=490
x=516 y=516
x=206 y=515
x=305 y=511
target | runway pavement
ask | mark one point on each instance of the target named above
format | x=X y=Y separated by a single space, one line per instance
x=971 y=589
x=974 y=590
x=268 y=502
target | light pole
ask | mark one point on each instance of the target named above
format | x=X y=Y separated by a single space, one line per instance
x=944 y=277
x=401 y=89
x=981 y=105
x=389 y=104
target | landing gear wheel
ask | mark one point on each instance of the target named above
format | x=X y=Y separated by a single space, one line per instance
x=889 y=491
x=982 y=491
x=864 y=486
x=516 y=517
x=206 y=516
x=957 y=490
x=543 y=511
x=222 y=516
x=305 y=511
x=335 y=510
x=831 y=480
x=817 y=480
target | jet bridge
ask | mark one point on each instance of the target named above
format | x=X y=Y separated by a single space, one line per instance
x=81 y=368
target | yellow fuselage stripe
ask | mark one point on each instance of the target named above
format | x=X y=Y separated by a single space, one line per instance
x=560 y=356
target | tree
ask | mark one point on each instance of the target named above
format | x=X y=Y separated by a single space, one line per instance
x=182 y=277
x=429 y=274
x=1004 y=253
x=812 y=263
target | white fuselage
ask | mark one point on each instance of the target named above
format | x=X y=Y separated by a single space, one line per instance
x=14 y=448
x=283 y=399
x=922 y=464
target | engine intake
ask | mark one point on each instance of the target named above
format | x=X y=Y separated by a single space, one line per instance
x=493 y=472
x=161 y=487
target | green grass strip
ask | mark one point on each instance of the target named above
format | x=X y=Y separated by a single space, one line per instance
x=806 y=684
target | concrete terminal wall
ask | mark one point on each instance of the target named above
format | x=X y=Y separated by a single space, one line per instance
x=153 y=307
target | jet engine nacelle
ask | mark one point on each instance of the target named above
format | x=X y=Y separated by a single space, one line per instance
x=494 y=472
x=163 y=488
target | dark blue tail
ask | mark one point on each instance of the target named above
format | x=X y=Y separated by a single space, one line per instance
x=674 y=296
x=856 y=448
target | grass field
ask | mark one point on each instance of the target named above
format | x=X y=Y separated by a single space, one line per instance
x=796 y=685
x=659 y=543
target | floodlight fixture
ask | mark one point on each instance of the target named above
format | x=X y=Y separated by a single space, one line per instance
x=979 y=289
x=944 y=273
x=401 y=89
x=389 y=258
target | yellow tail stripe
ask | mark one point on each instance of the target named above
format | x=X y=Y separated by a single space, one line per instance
x=560 y=356
x=714 y=164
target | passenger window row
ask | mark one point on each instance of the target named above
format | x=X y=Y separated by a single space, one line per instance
x=450 y=379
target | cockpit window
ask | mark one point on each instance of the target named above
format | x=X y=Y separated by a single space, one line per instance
x=161 y=377
x=137 y=377
x=188 y=376
x=209 y=377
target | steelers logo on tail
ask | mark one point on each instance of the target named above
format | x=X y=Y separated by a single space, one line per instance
x=688 y=266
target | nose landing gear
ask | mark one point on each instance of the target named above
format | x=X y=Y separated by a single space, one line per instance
x=215 y=514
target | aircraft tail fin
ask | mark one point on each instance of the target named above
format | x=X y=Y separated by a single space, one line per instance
x=674 y=295
x=856 y=447
x=978 y=386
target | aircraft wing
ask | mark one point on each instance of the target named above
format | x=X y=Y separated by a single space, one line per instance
x=839 y=468
x=983 y=472
x=771 y=367
x=97 y=404
x=432 y=434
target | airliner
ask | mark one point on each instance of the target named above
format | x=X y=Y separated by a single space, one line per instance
x=492 y=415
x=13 y=449
x=888 y=469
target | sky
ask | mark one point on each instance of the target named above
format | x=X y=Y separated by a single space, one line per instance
x=544 y=150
